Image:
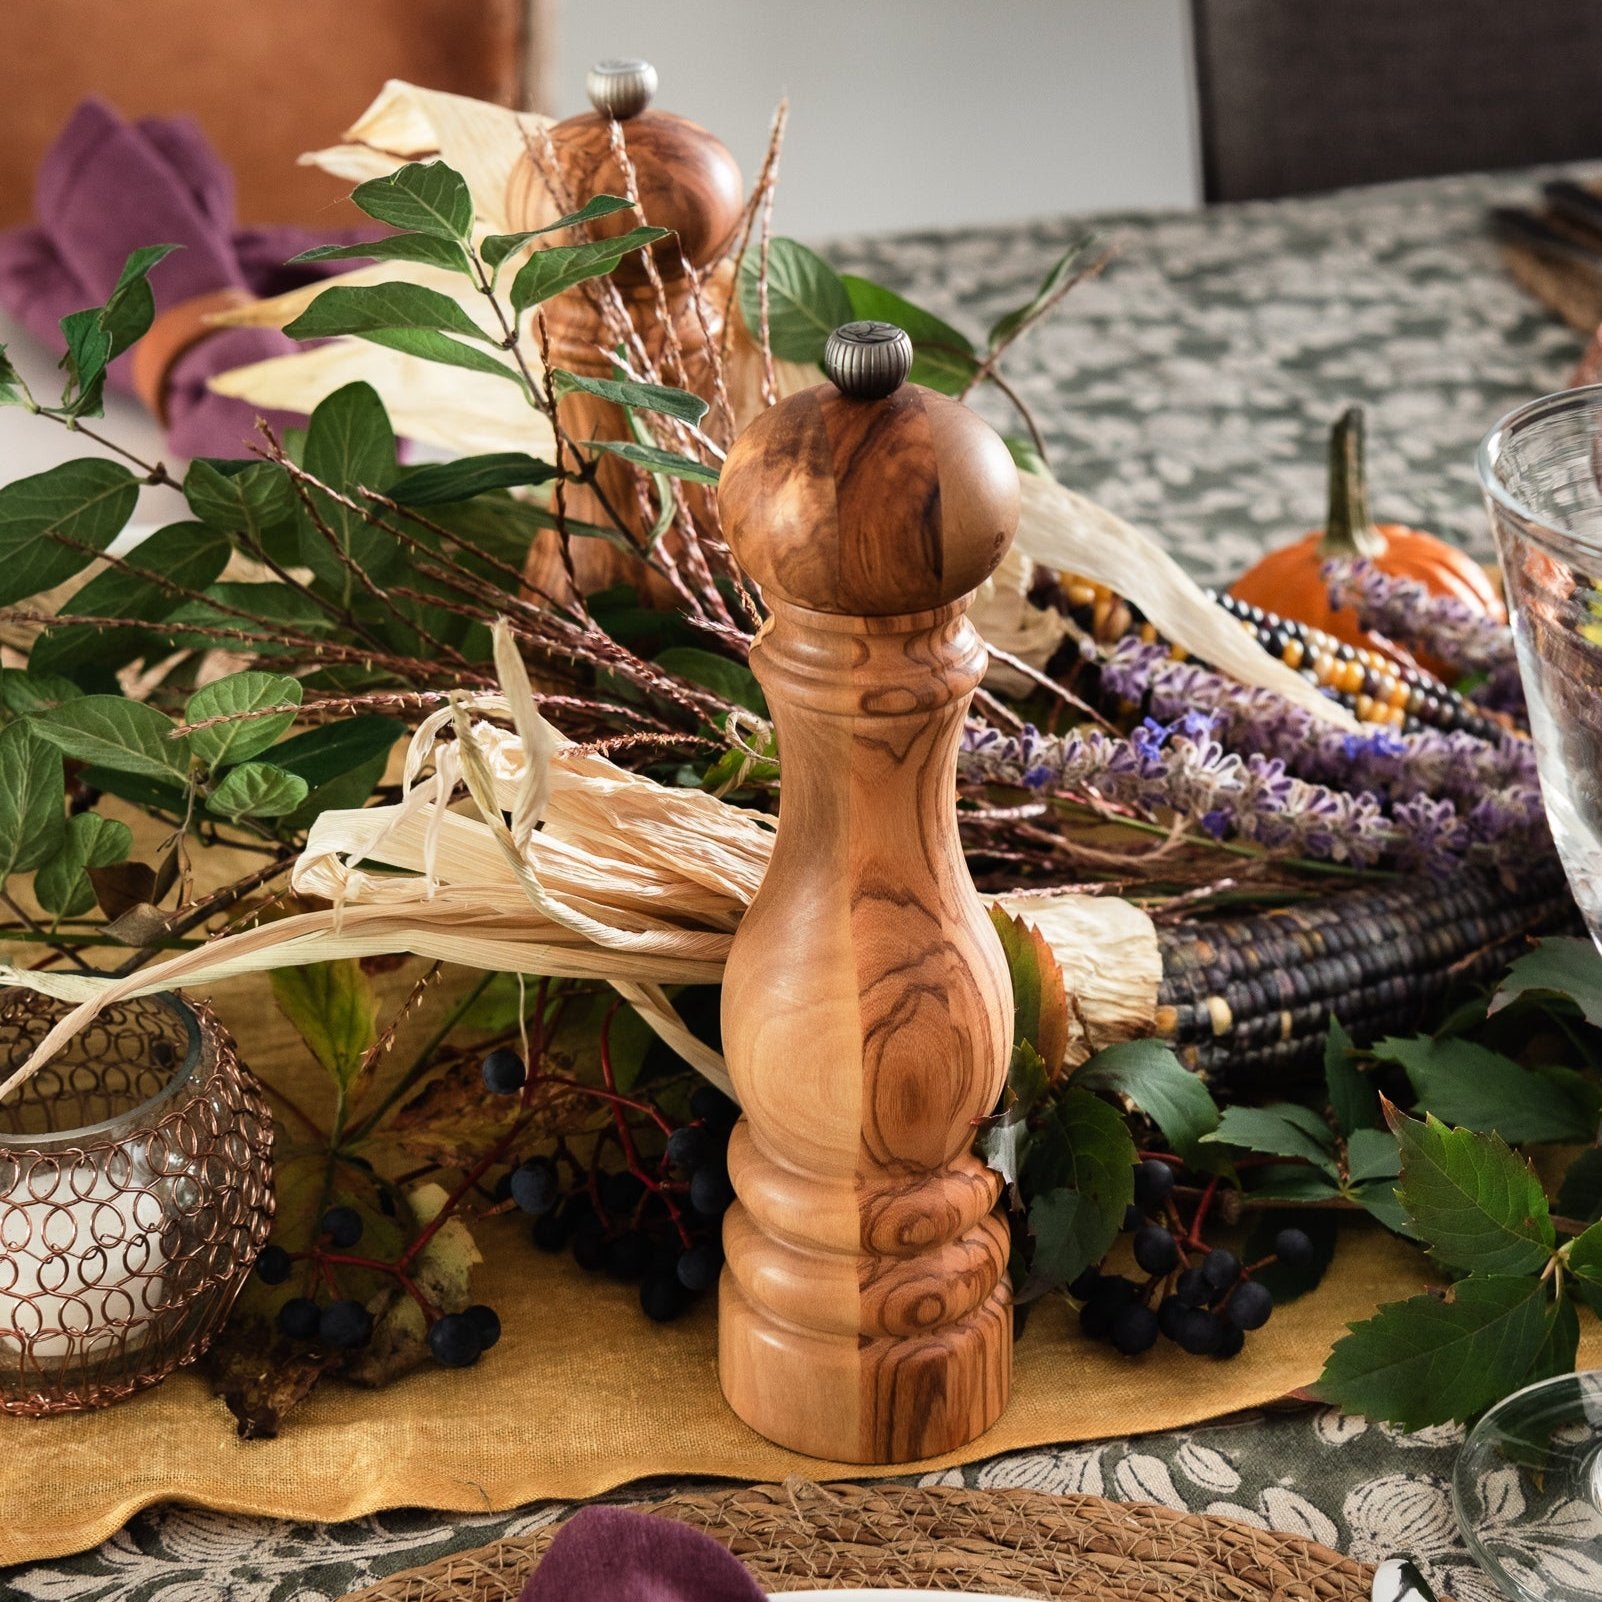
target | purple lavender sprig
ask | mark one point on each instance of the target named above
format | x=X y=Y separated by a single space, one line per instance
x=1402 y=609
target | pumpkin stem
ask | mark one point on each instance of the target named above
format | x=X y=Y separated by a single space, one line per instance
x=1350 y=531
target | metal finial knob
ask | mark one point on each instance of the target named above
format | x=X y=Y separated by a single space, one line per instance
x=621 y=89
x=867 y=360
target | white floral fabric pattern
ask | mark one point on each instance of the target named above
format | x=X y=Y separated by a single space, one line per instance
x=1190 y=389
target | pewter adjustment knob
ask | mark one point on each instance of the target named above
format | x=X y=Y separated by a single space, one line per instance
x=867 y=360
x=621 y=89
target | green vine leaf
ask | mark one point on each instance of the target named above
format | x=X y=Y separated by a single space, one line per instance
x=62 y=886
x=1039 y=995
x=1559 y=965
x=1427 y=1361
x=1352 y=1099
x=53 y=524
x=1474 y=1087
x=235 y=697
x=426 y=197
x=1372 y=1154
x=1580 y=1194
x=1152 y=1077
x=335 y=1011
x=807 y=300
x=113 y=732
x=257 y=790
x=1476 y=1205
x=1281 y=1130
x=31 y=782
x=549 y=272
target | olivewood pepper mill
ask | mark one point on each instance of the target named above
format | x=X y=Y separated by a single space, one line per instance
x=864 y=1311
x=685 y=180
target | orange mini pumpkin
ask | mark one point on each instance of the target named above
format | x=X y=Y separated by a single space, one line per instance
x=1290 y=580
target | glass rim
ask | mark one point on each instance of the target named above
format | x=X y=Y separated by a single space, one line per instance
x=1560 y=401
x=182 y=1074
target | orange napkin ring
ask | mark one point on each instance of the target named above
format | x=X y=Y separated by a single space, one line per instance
x=171 y=334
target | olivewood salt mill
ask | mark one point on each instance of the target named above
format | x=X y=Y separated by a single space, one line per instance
x=685 y=180
x=864 y=1311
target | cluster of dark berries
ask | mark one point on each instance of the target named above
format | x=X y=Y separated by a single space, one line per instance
x=457 y=1340
x=1205 y=1302
x=662 y=1231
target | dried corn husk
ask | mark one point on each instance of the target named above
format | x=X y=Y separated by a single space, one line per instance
x=563 y=864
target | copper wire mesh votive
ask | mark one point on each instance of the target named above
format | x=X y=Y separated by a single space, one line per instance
x=135 y=1192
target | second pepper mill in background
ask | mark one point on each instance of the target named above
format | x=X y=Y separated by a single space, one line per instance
x=686 y=181
x=864 y=1312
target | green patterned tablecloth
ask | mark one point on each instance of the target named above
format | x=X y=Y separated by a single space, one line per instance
x=1190 y=389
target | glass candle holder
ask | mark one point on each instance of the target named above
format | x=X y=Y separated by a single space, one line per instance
x=135 y=1192
x=1541 y=469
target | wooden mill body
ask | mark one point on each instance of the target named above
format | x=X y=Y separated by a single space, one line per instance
x=685 y=180
x=867 y=1013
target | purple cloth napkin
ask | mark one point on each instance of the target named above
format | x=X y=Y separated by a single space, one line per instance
x=606 y=1554
x=108 y=186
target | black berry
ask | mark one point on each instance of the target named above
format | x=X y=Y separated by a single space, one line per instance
x=1170 y=1312
x=1083 y=1288
x=1134 y=1218
x=1096 y=1316
x=1230 y=1341
x=1134 y=1329
x=710 y=1191
x=1294 y=1248
x=590 y=1250
x=345 y=1324
x=1249 y=1306
x=697 y=1269
x=688 y=1148
x=621 y=1192
x=1220 y=1268
x=298 y=1318
x=504 y=1072
x=628 y=1257
x=711 y=1107
x=342 y=1226
x=551 y=1231
x=454 y=1341
x=486 y=1324
x=535 y=1185
x=274 y=1265
x=1192 y=1288
x=1155 y=1250
x=1153 y=1182
x=662 y=1297
x=1199 y=1331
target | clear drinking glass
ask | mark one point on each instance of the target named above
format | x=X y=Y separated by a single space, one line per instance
x=1528 y=1482
x=1541 y=469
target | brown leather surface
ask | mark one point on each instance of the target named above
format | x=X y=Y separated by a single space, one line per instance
x=172 y=333
x=265 y=81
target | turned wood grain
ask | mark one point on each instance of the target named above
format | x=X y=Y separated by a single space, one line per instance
x=688 y=182
x=867 y=1010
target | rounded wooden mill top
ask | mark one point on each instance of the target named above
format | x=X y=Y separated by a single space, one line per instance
x=869 y=496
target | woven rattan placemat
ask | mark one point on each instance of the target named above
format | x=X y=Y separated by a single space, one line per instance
x=800 y=1536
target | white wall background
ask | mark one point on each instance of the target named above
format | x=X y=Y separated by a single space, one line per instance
x=908 y=114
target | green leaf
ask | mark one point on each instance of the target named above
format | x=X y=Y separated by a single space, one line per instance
x=441 y=348
x=424 y=197
x=1153 y=1078
x=497 y=247
x=1473 y=1086
x=257 y=790
x=1039 y=999
x=1377 y=1198
x=341 y=762
x=237 y=696
x=375 y=308
x=349 y=442
x=1426 y=1361
x=1354 y=1101
x=85 y=361
x=1567 y=966
x=86 y=501
x=1372 y=1154
x=1584 y=1255
x=1084 y=1146
x=1474 y=1203
x=1579 y=1196
x=1058 y=1248
x=256 y=497
x=333 y=1007
x=186 y=556
x=677 y=403
x=654 y=460
x=1281 y=1130
x=429 y=249
x=942 y=356
x=1292 y=1182
x=31 y=800
x=113 y=732
x=440 y=483
x=12 y=392
x=1561 y=1346
x=730 y=681
x=150 y=794
x=1025 y=456
x=549 y=272
x=807 y=300
x=1062 y=271
x=24 y=693
x=62 y=885
x=95 y=338
x=280 y=605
